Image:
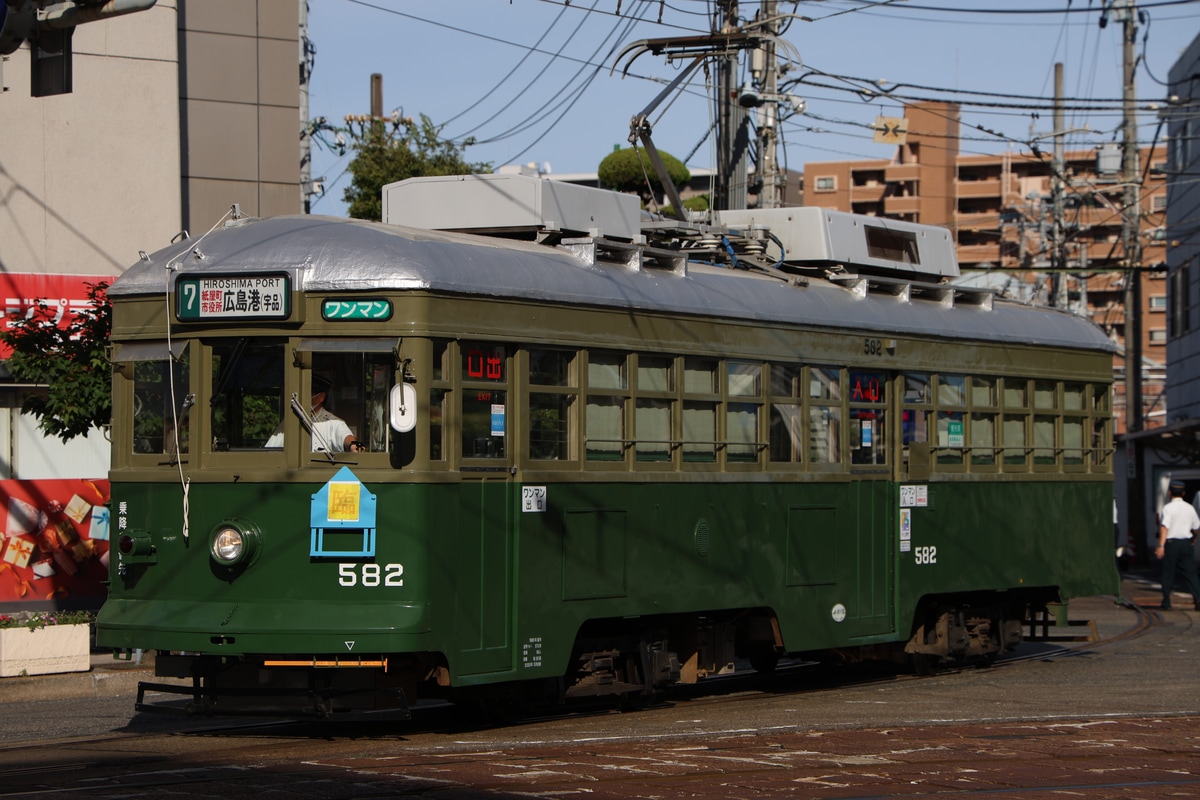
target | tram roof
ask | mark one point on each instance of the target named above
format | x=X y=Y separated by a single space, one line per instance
x=333 y=254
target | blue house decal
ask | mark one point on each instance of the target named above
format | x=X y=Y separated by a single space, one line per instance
x=342 y=519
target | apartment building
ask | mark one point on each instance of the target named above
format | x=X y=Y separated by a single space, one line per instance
x=1000 y=208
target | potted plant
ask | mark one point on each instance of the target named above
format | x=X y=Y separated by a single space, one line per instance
x=45 y=642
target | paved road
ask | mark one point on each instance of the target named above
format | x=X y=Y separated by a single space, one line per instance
x=1114 y=720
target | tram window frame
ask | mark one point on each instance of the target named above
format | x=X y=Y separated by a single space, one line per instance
x=950 y=394
x=983 y=395
x=1046 y=426
x=742 y=392
x=1075 y=418
x=653 y=397
x=477 y=376
x=700 y=401
x=360 y=374
x=145 y=363
x=826 y=411
x=604 y=377
x=440 y=394
x=787 y=438
x=868 y=404
x=1101 y=432
x=918 y=415
x=545 y=390
x=285 y=420
x=1015 y=417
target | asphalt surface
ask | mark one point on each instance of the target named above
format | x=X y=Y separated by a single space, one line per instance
x=112 y=677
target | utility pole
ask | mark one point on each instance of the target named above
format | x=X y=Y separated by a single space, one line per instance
x=1058 y=261
x=1131 y=242
x=768 y=114
x=733 y=138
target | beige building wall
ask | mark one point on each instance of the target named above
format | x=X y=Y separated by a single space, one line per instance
x=240 y=108
x=89 y=178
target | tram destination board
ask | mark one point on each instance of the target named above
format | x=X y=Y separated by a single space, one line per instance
x=242 y=297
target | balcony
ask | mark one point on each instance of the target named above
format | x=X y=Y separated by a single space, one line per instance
x=973 y=255
x=902 y=172
x=870 y=193
x=902 y=205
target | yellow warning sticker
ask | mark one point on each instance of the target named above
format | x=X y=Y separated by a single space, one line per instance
x=343 y=501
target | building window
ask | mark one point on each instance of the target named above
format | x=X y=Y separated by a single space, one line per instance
x=826 y=184
x=1158 y=302
x=1158 y=203
x=1158 y=335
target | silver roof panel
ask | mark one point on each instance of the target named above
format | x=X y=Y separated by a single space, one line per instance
x=328 y=254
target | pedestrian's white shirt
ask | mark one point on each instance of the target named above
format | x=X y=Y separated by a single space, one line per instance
x=1180 y=519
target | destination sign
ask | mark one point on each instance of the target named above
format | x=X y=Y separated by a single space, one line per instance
x=351 y=308
x=241 y=297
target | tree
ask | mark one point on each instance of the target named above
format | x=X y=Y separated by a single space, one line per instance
x=627 y=170
x=72 y=363
x=394 y=149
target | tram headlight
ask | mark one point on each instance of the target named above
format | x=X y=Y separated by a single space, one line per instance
x=233 y=544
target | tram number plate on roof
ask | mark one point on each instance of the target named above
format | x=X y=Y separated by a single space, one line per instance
x=240 y=297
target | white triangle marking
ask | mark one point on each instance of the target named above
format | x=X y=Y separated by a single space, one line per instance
x=349 y=645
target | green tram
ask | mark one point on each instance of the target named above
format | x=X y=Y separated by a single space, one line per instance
x=600 y=454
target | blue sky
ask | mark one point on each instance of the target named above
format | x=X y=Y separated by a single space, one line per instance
x=530 y=79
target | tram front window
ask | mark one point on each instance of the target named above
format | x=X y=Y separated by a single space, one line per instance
x=161 y=399
x=247 y=400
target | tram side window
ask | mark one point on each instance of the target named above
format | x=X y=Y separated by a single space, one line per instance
x=824 y=415
x=918 y=408
x=604 y=425
x=984 y=407
x=701 y=396
x=161 y=401
x=741 y=415
x=1016 y=411
x=247 y=402
x=1073 y=424
x=951 y=418
x=551 y=397
x=1045 y=423
x=1101 y=433
x=484 y=406
x=653 y=405
x=787 y=414
x=868 y=397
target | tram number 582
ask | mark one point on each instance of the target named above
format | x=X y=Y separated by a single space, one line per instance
x=925 y=555
x=371 y=574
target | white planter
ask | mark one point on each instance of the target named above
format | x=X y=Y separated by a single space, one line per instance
x=54 y=648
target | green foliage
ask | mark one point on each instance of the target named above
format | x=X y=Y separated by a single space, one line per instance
x=41 y=619
x=71 y=362
x=627 y=170
x=697 y=203
x=392 y=150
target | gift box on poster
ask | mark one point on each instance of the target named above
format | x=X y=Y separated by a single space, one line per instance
x=43 y=568
x=19 y=551
x=77 y=509
x=100 y=522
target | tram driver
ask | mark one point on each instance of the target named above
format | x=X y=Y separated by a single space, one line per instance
x=330 y=433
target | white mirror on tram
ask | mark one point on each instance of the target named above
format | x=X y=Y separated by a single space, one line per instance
x=403 y=407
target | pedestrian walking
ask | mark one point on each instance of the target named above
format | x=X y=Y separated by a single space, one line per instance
x=1178 y=524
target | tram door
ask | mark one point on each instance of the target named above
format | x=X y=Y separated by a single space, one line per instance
x=484 y=564
x=484 y=567
x=873 y=535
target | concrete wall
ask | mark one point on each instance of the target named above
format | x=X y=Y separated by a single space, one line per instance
x=89 y=178
x=240 y=108
x=1183 y=238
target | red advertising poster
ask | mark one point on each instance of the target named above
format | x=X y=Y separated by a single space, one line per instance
x=64 y=297
x=54 y=548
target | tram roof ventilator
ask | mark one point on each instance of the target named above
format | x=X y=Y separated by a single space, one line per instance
x=865 y=254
